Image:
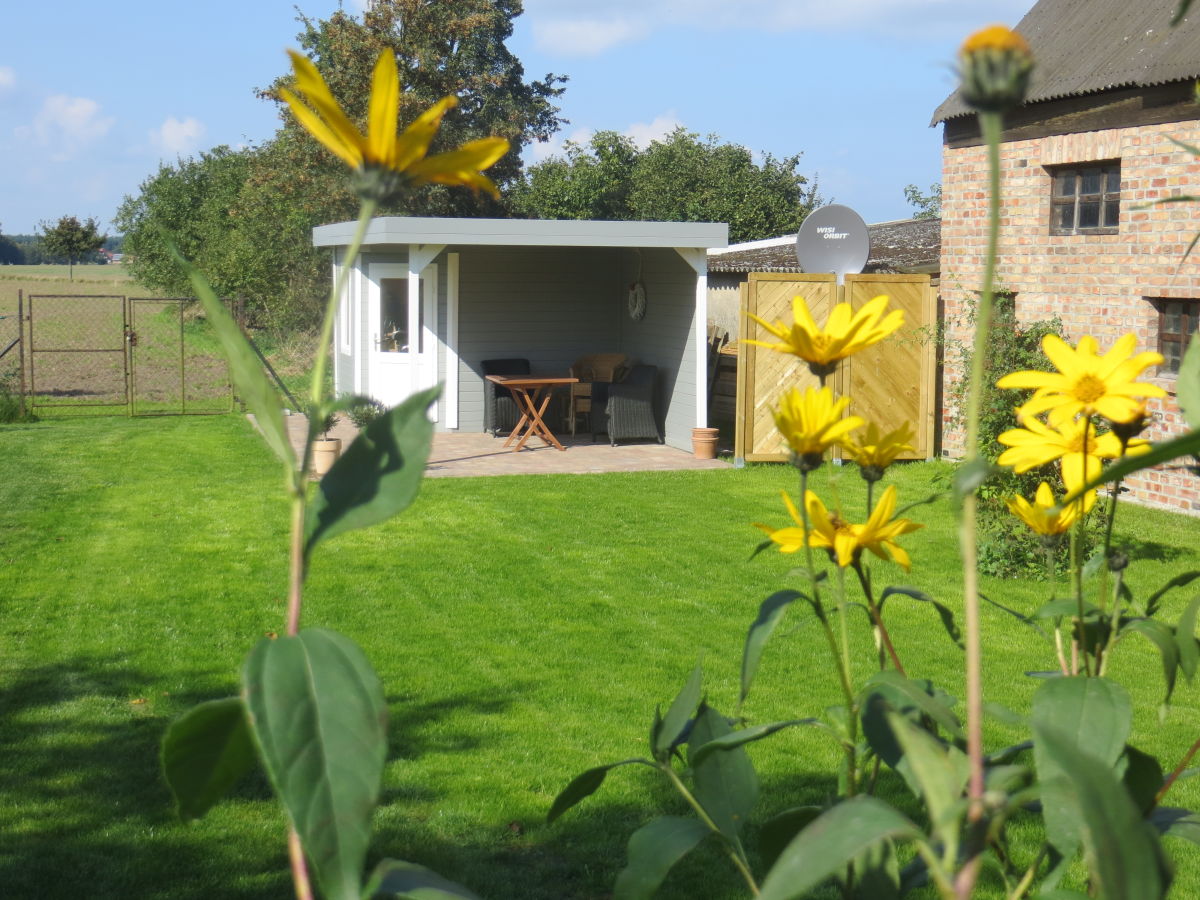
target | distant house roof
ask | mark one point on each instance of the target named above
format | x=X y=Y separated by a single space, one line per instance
x=1088 y=46
x=906 y=245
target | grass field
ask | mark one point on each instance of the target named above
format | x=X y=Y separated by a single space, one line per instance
x=53 y=279
x=524 y=629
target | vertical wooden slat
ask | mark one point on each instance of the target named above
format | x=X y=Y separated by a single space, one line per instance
x=745 y=362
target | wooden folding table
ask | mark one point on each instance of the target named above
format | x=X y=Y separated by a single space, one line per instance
x=532 y=394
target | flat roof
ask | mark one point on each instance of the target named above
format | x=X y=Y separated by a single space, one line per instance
x=526 y=233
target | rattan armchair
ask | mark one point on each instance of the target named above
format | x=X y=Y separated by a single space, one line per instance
x=596 y=368
x=500 y=412
x=629 y=412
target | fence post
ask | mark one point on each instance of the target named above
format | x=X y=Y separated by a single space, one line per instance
x=21 y=345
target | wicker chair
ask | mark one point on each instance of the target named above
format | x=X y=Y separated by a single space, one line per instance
x=629 y=413
x=500 y=413
x=591 y=370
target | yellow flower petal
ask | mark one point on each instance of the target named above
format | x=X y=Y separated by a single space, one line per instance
x=385 y=109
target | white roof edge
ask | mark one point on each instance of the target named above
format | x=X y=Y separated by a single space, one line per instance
x=526 y=232
x=755 y=245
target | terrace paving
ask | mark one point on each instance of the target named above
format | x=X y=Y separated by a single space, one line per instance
x=458 y=455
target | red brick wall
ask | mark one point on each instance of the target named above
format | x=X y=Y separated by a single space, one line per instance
x=1097 y=284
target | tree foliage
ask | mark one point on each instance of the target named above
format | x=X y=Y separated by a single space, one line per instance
x=928 y=206
x=10 y=253
x=70 y=239
x=261 y=204
x=681 y=177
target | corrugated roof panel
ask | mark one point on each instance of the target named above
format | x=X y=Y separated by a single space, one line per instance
x=1086 y=46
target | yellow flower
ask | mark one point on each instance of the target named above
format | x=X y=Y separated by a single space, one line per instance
x=875 y=452
x=1043 y=516
x=844 y=540
x=845 y=332
x=812 y=422
x=1087 y=382
x=995 y=64
x=381 y=155
x=1037 y=444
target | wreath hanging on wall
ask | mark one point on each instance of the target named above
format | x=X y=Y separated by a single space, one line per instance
x=637 y=301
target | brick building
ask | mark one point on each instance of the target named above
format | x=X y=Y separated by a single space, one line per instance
x=1081 y=164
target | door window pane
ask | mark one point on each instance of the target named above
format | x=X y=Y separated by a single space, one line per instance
x=393 y=314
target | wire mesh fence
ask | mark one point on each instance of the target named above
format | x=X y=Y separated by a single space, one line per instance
x=111 y=354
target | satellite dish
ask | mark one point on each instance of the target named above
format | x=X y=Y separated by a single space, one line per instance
x=834 y=239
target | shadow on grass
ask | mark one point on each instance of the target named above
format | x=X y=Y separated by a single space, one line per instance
x=84 y=810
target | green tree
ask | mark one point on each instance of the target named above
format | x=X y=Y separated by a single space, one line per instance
x=190 y=201
x=10 y=253
x=680 y=178
x=928 y=206
x=291 y=183
x=71 y=239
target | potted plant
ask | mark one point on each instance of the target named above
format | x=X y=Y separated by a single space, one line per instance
x=325 y=449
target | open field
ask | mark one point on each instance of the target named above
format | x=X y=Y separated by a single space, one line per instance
x=52 y=279
x=524 y=629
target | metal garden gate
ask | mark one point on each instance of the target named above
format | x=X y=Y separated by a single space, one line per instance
x=96 y=354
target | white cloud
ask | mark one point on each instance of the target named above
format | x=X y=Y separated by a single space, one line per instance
x=176 y=137
x=586 y=36
x=8 y=78
x=66 y=125
x=589 y=27
x=645 y=132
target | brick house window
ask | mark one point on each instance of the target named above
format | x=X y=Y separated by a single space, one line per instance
x=1178 y=321
x=1086 y=199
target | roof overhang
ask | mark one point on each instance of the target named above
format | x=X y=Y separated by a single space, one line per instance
x=400 y=230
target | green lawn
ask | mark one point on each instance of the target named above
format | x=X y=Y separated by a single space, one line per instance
x=524 y=628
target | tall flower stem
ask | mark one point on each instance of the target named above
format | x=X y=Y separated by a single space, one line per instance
x=296 y=562
x=839 y=661
x=1052 y=578
x=877 y=618
x=734 y=852
x=296 y=567
x=990 y=125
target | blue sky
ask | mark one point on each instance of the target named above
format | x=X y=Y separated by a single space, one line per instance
x=92 y=98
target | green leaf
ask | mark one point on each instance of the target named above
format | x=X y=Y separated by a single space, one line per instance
x=725 y=783
x=584 y=785
x=913 y=692
x=831 y=841
x=398 y=880
x=683 y=707
x=1143 y=778
x=1184 y=445
x=1185 y=638
x=1095 y=714
x=769 y=614
x=1063 y=608
x=249 y=379
x=653 y=850
x=939 y=776
x=778 y=831
x=746 y=736
x=877 y=873
x=943 y=611
x=1174 y=822
x=1187 y=385
x=969 y=476
x=318 y=715
x=1020 y=617
x=377 y=476
x=1168 y=649
x=1181 y=580
x=204 y=752
x=1122 y=851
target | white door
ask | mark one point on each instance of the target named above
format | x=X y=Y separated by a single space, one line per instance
x=403 y=350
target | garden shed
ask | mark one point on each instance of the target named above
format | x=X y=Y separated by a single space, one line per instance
x=429 y=299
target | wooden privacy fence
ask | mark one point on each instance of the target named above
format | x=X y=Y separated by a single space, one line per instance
x=888 y=384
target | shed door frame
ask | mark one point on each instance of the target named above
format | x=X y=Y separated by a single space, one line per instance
x=392 y=374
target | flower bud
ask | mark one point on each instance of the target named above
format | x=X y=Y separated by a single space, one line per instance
x=994 y=65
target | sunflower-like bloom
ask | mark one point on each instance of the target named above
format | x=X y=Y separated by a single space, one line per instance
x=812 y=422
x=994 y=64
x=1037 y=444
x=845 y=332
x=1088 y=382
x=1044 y=516
x=845 y=541
x=874 y=452
x=383 y=161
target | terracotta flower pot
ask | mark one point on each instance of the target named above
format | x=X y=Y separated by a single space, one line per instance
x=704 y=443
x=325 y=454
